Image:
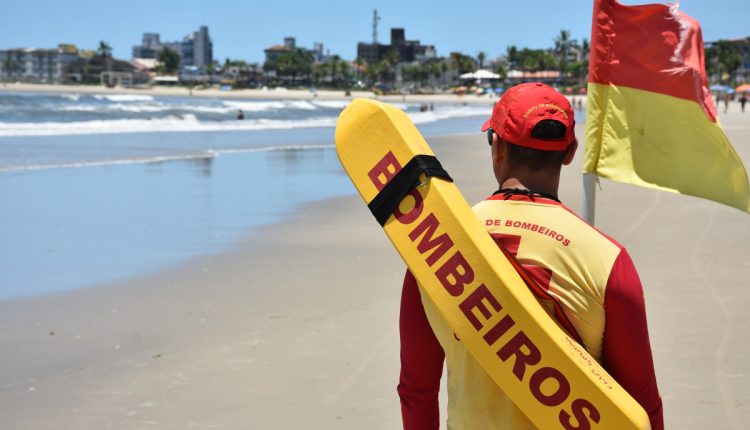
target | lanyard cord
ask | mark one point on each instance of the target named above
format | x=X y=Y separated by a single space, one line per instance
x=508 y=192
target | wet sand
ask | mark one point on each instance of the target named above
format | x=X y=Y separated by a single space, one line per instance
x=296 y=326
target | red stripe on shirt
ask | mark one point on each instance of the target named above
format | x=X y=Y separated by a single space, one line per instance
x=626 y=351
x=421 y=362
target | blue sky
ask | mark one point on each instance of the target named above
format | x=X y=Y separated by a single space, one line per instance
x=242 y=29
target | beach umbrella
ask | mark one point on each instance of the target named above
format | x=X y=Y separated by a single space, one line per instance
x=743 y=88
x=485 y=74
x=480 y=74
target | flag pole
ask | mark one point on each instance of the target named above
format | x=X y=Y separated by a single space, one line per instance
x=589 y=197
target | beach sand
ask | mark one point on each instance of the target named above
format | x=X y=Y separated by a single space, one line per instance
x=296 y=326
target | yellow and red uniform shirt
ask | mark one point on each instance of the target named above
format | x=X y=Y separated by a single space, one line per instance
x=589 y=275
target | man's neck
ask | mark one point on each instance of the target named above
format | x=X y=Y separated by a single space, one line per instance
x=537 y=184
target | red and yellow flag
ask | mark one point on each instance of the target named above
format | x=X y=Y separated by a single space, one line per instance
x=651 y=120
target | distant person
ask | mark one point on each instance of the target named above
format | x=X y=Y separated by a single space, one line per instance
x=743 y=100
x=589 y=277
x=240 y=115
x=726 y=102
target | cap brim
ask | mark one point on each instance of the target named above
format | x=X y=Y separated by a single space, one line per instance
x=487 y=125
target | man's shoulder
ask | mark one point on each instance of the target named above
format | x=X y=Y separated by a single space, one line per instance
x=535 y=215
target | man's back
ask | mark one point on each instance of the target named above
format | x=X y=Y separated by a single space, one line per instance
x=584 y=272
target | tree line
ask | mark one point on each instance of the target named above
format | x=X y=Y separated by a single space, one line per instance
x=294 y=67
x=567 y=56
x=724 y=58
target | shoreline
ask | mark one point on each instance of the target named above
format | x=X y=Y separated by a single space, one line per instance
x=281 y=94
x=243 y=235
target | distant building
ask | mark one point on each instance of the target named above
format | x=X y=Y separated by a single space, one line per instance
x=200 y=46
x=105 y=70
x=408 y=51
x=576 y=53
x=193 y=74
x=242 y=75
x=195 y=49
x=372 y=52
x=273 y=53
x=149 y=47
x=36 y=65
x=290 y=44
x=146 y=66
x=317 y=52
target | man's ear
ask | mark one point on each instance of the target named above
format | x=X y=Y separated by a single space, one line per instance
x=570 y=153
x=497 y=149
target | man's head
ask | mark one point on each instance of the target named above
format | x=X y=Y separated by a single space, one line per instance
x=531 y=128
x=524 y=106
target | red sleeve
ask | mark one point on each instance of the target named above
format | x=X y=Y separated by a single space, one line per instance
x=421 y=362
x=626 y=350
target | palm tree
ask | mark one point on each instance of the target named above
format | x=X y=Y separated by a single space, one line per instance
x=512 y=55
x=335 y=66
x=389 y=65
x=433 y=70
x=729 y=59
x=359 y=62
x=373 y=71
x=722 y=60
x=481 y=56
x=169 y=60
x=319 y=72
x=444 y=66
x=585 y=47
x=582 y=73
x=501 y=70
x=294 y=63
x=462 y=63
x=563 y=43
x=104 y=49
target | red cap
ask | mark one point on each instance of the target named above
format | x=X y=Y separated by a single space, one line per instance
x=522 y=107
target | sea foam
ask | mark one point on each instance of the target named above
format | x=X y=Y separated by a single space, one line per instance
x=182 y=123
x=124 y=97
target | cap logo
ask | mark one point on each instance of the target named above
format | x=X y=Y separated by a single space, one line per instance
x=545 y=105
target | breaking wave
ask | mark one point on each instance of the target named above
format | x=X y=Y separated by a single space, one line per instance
x=188 y=122
x=184 y=123
x=124 y=97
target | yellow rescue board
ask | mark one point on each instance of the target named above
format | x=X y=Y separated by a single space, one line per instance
x=547 y=374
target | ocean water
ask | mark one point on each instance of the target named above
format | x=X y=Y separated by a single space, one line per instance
x=73 y=130
x=98 y=188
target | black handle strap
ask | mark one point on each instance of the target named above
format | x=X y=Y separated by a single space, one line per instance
x=383 y=205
